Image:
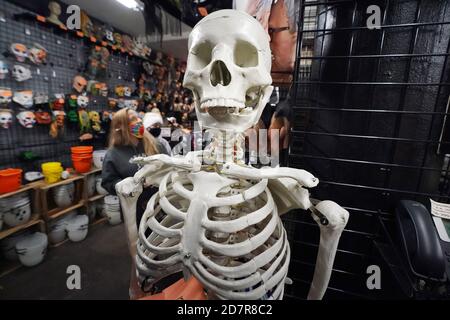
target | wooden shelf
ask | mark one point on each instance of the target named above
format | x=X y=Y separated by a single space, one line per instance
x=94 y=170
x=72 y=178
x=98 y=221
x=34 y=220
x=26 y=187
x=57 y=212
x=9 y=266
x=96 y=197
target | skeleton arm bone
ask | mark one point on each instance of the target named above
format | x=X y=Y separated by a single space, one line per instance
x=333 y=221
x=303 y=177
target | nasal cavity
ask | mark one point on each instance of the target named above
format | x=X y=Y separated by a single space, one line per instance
x=220 y=74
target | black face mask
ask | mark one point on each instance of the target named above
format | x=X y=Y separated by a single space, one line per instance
x=155 y=132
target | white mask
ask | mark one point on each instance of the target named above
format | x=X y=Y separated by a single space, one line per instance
x=26 y=119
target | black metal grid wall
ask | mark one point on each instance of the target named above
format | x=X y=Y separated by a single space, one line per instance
x=370 y=107
x=67 y=57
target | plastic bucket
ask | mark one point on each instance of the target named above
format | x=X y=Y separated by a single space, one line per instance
x=82 y=149
x=82 y=165
x=10 y=180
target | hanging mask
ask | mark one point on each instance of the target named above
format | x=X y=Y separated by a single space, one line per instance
x=137 y=129
x=85 y=123
x=118 y=39
x=83 y=101
x=20 y=51
x=37 y=54
x=24 y=98
x=58 y=103
x=26 y=119
x=43 y=117
x=132 y=104
x=127 y=91
x=5 y=96
x=119 y=91
x=3 y=70
x=21 y=73
x=73 y=116
x=40 y=98
x=79 y=83
x=73 y=101
x=109 y=35
x=6 y=118
x=112 y=103
x=95 y=119
x=127 y=43
x=59 y=117
x=103 y=89
x=120 y=103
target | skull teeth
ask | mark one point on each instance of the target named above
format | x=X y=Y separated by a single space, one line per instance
x=222 y=106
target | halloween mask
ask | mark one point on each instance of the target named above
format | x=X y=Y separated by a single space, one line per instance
x=118 y=39
x=127 y=91
x=37 y=54
x=83 y=101
x=119 y=91
x=5 y=118
x=26 y=119
x=59 y=118
x=86 y=24
x=43 y=117
x=85 y=123
x=58 y=103
x=5 y=96
x=40 y=98
x=3 y=69
x=95 y=119
x=79 y=83
x=127 y=42
x=103 y=89
x=20 y=51
x=24 y=98
x=109 y=35
x=132 y=104
x=21 y=73
x=73 y=101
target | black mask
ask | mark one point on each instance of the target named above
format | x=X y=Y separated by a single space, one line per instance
x=155 y=132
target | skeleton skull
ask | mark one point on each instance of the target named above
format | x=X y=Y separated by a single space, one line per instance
x=5 y=119
x=26 y=119
x=228 y=70
x=21 y=73
x=83 y=101
x=20 y=51
x=132 y=104
x=3 y=69
x=24 y=98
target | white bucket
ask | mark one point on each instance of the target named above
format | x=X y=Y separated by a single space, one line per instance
x=77 y=228
x=18 y=215
x=32 y=249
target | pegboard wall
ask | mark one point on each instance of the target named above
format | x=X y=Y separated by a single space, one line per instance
x=67 y=57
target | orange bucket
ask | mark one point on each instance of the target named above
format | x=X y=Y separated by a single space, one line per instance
x=82 y=164
x=10 y=180
x=82 y=149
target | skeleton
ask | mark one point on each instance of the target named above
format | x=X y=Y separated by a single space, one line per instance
x=214 y=217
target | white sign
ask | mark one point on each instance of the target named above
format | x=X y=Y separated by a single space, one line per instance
x=441 y=210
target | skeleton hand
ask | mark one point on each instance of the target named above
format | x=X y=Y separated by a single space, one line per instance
x=129 y=188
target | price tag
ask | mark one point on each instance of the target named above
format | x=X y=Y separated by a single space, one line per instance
x=80 y=34
x=40 y=18
x=441 y=210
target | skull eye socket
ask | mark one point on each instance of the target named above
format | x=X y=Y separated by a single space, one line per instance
x=201 y=56
x=245 y=54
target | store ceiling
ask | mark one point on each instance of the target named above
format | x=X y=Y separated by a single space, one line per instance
x=113 y=13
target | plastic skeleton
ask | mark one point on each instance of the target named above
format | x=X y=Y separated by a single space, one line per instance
x=215 y=217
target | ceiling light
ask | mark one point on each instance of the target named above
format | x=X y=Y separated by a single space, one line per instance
x=132 y=4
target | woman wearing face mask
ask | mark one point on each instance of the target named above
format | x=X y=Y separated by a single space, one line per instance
x=152 y=123
x=128 y=139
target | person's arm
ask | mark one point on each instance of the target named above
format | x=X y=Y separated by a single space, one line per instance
x=110 y=176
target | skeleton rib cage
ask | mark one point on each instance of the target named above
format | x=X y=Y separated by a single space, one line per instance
x=237 y=248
